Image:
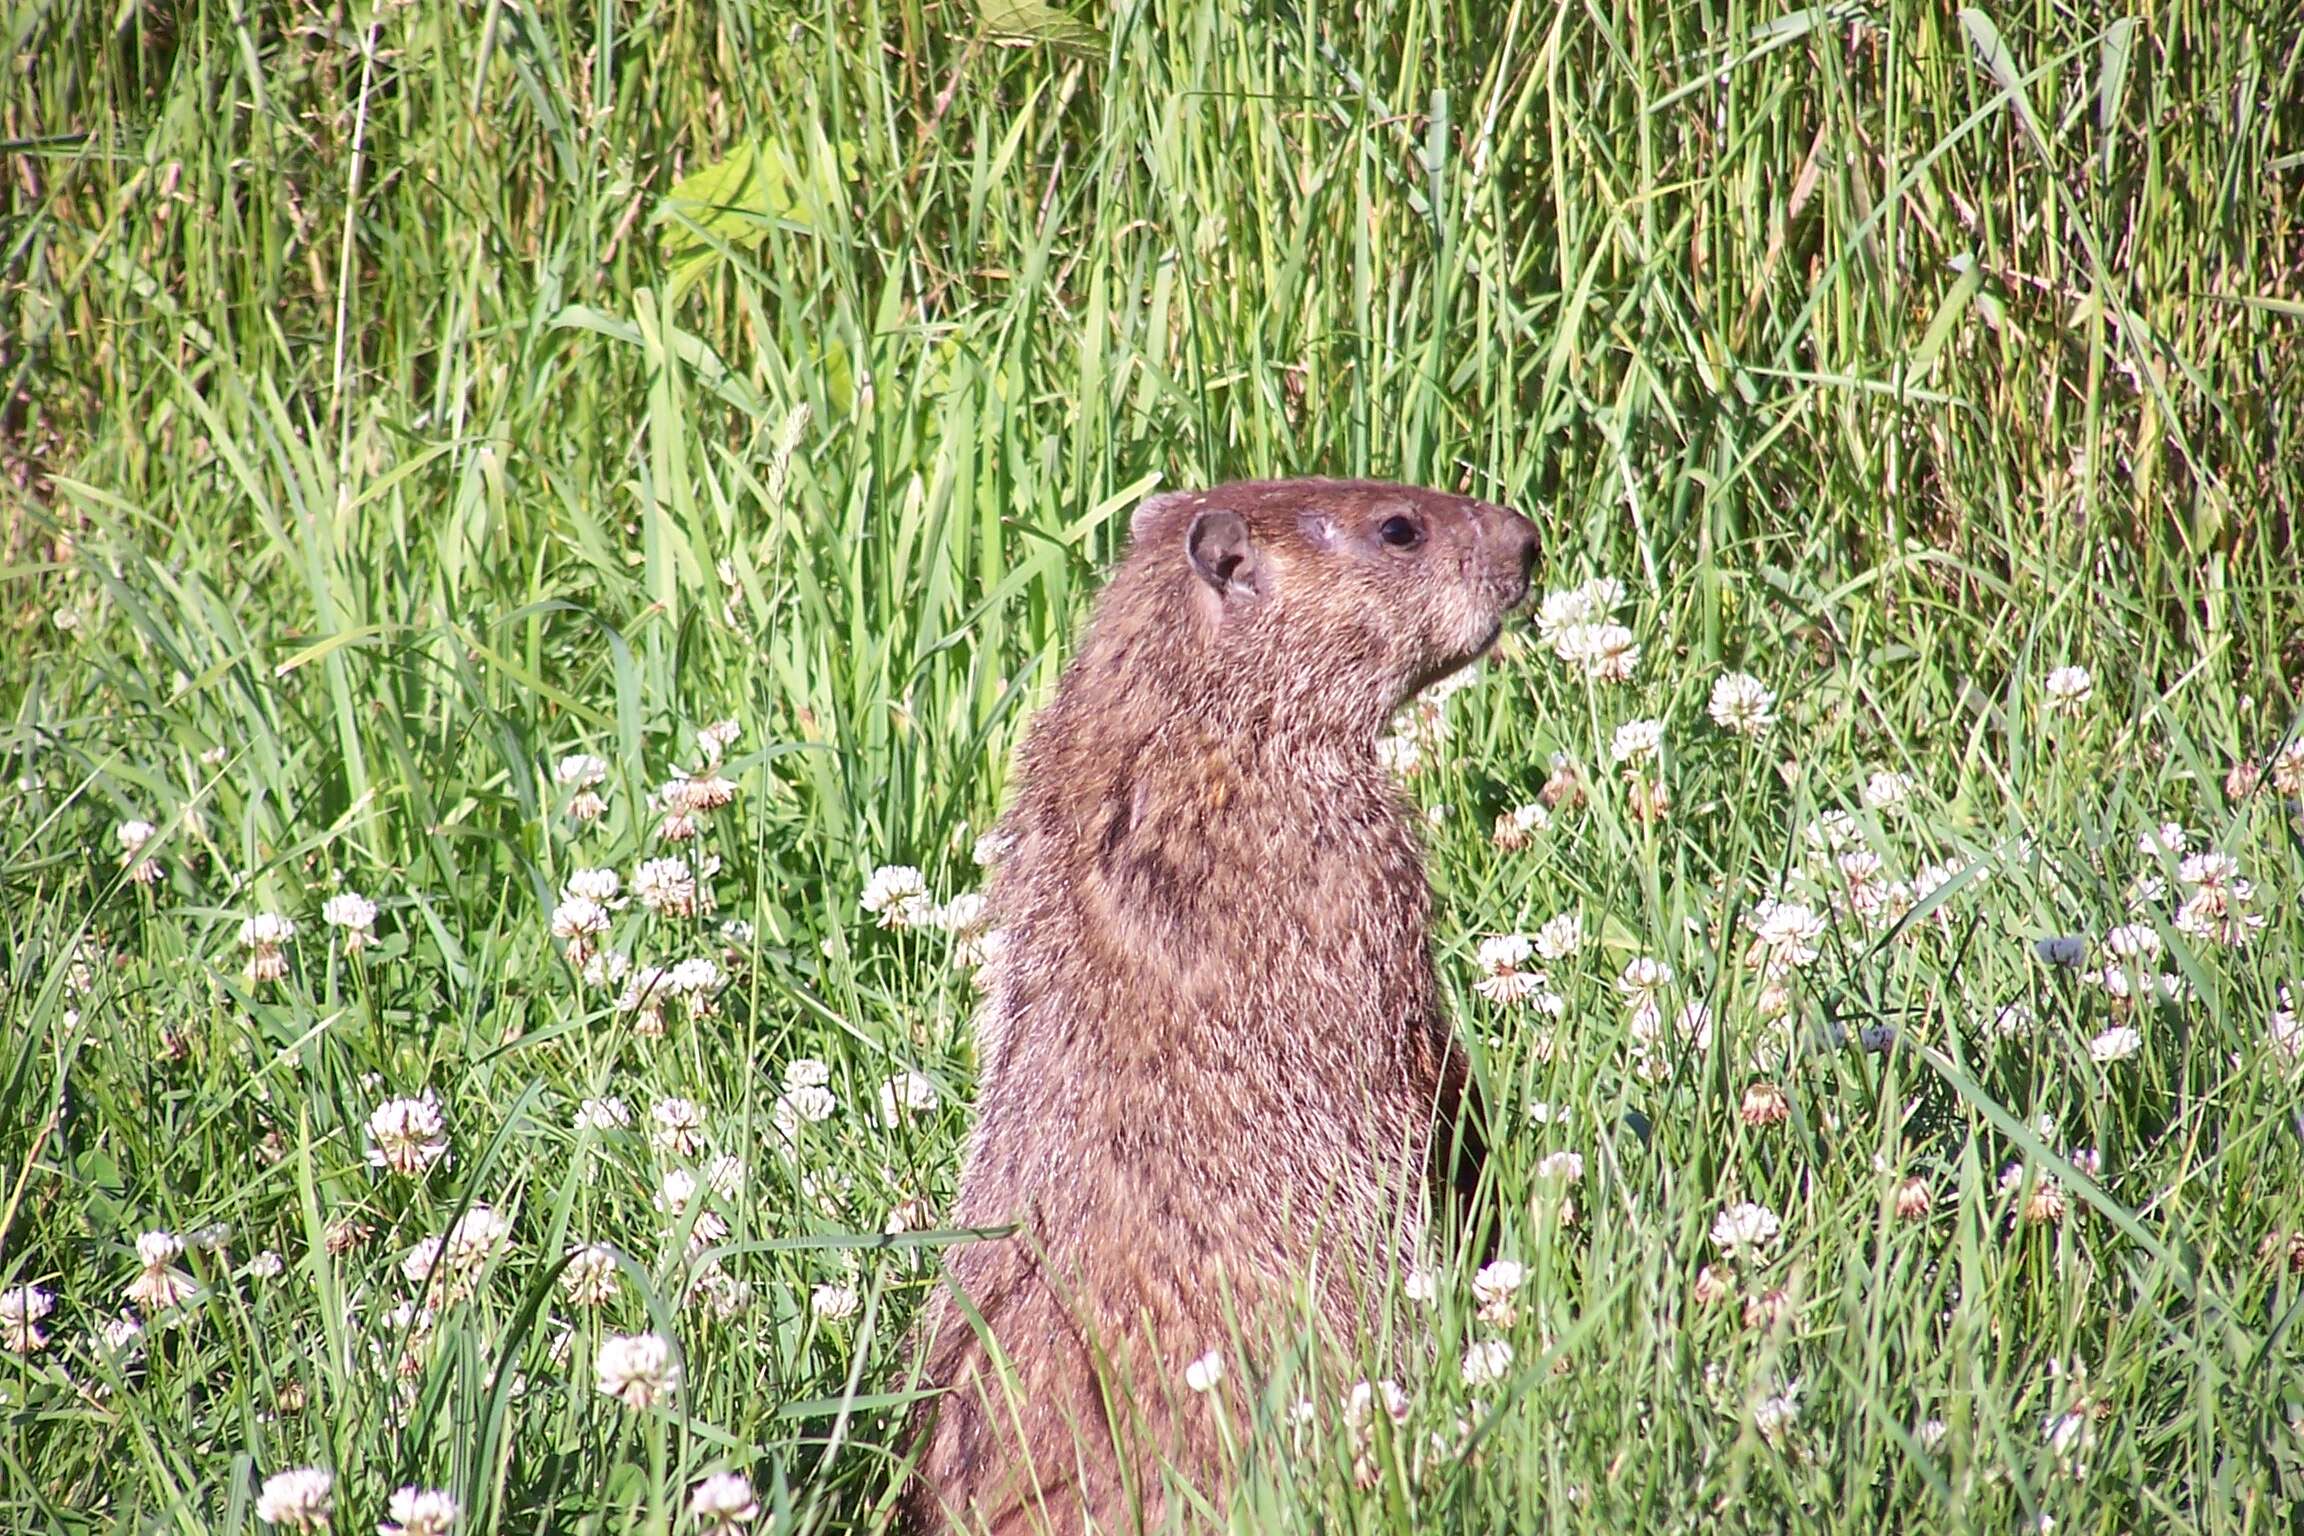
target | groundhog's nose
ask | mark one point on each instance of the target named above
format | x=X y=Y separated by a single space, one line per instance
x=1514 y=537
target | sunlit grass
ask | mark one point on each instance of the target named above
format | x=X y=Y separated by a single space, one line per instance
x=382 y=431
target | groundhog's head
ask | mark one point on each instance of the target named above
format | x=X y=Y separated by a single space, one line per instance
x=1344 y=596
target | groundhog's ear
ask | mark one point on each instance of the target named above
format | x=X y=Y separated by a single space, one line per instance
x=1223 y=553
x=1153 y=508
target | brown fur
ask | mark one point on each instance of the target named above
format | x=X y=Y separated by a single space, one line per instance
x=1211 y=1054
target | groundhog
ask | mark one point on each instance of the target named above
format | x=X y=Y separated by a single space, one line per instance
x=1211 y=1055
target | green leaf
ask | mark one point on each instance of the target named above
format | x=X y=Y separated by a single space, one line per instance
x=2001 y=64
x=1034 y=21
x=726 y=206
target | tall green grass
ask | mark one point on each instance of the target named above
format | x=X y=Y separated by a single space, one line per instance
x=401 y=398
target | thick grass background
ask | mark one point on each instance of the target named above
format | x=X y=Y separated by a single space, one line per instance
x=379 y=426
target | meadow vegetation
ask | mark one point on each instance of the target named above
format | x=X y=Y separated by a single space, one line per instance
x=534 y=530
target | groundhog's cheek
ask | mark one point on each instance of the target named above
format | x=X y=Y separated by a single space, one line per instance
x=1469 y=622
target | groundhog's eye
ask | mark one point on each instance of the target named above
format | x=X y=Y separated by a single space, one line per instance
x=1401 y=533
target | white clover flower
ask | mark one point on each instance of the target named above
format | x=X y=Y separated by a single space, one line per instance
x=1774 y=1416
x=1859 y=867
x=1503 y=981
x=1784 y=935
x=1693 y=1024
x=474 y=1238
x=1363 y=1398
x=133 y=836
x=715 y=739
x=1399 y=755
x=690 y=795
x=667 y=887
x=644 y=997
x=2168 y=838
x=416 y=1511
x=158 y=1286
x=966 y=913
x=22 y=1309
x=1741 y=704
x=2115 y=1044
x=355 y=914
x=579 y=770
x=678 y=1128
x=967 y=919
x=1744 y=1228
x=1203 y=1374
x=1487 y=1362
x=408 y=1136
x=264 y=936
x=120 y=1337
x=1603 y=652
x=725 y=1176
x=1885 y=789
x=1497 y=1281
x=1423 y=722
x=1590 y=603
x=1530 y=989
x=1560 y=936
x=908 y=1216
x=1642 y=979
x=596 y=885
x=1517 y=827
x=302 y=1498
x=2015 y=1021
x=676 y=1191
x=266 y=929
x=605 y=967
x=422 y=1261
x=695 y=979
x=1636 y=741
x=721 y=1503
x=833 y=1303
x=2209 y=868
x=809 y=1104
x=2217 y=910
x=579 y=918
x=806 y=1072
x=2069 y=689
x=1567 y=1167
x=728 y=1297
x=897 y=897
x=1833 y=832
x=1503 y=953
x=1930 y=1433
x=904 y=1095
x=609 y=1114
x=637 y=1369
x=2070 y=1436
x=2284 y=1027
x=1420 y=1286
x=591 y=1278
x=2133 y=941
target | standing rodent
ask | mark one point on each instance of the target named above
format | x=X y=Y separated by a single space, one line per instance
x=1211 y=1055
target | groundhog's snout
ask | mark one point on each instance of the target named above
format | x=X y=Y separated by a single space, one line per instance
x=1508 y=541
